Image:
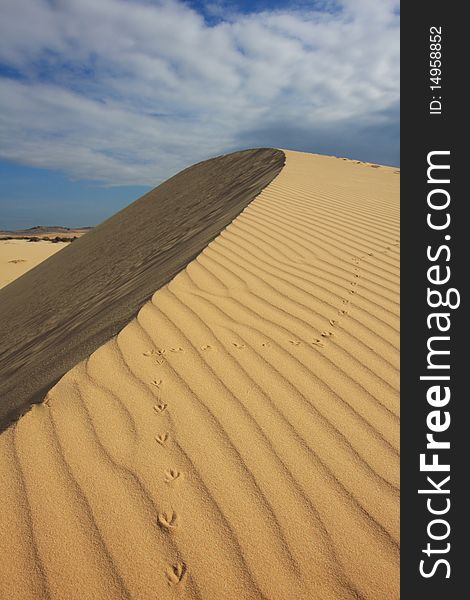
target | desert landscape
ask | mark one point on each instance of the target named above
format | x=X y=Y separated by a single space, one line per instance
x=199 y=398
x=21 y=250
x=17 y=256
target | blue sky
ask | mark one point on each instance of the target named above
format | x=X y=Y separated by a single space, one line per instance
x=101 y=100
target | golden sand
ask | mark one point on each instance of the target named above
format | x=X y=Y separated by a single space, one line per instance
x=19 y=256
x=239 y=439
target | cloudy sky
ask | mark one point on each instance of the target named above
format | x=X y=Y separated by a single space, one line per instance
x=101 y=100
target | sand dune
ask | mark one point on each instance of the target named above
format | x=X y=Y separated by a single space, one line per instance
x=238 y=439
x=61 y=311
x=17 y=257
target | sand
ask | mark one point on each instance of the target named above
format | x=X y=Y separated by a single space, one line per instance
x=238 y=439
x=19 y=256
x=69 y=305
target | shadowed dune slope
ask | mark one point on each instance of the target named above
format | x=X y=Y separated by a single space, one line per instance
x=239 y=439
x=59 y=312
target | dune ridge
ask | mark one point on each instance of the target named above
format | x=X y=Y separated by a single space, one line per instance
x=238 y=439
x=62 y=310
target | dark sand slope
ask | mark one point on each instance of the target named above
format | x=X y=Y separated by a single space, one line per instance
x=61 y=311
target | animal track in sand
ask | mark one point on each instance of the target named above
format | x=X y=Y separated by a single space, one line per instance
x=176 y=573
x=356 y=260
x=171 y=475
x=157 y=382
x=316 y=342
x=159 y=408
x=156 y=354
x=169 y=520
x=162 y=438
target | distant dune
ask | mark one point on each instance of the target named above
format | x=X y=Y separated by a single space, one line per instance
x=239 y=438
x=49 y=231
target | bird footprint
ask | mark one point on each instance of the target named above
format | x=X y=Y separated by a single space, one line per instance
x=326 y=334
x=157 y=382
x=239 y=346
x=332 y=322
x=206 y=347
x=159 y=408
x=149 y=353
x=176 y=573
x=179 y=349
x=318 y=343
x=294 y=342
x=168 y=519
x=171 y=475
x=162 y=438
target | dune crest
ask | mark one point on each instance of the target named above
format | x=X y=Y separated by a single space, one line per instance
x=238 y=439
x=58 y=313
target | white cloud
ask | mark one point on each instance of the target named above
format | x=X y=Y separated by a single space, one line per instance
x=131 y=91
